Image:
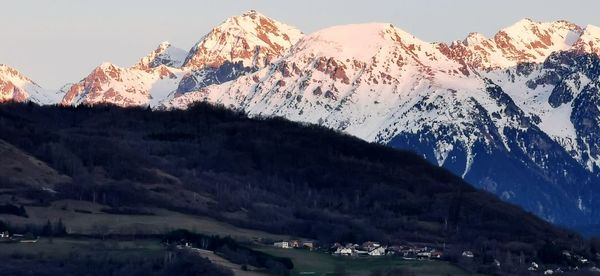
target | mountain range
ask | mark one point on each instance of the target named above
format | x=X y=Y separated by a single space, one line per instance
x=516 y=114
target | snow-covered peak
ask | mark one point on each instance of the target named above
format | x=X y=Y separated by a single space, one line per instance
x=522 y=26
x=164 y=54
x=107 y=65
x=164 y=45
x=252 y=38
x=252 y=13
x=559 y=33
x=474 y=39
x=592 y=30
x=533 y=41
x=341 y=41
x=524 y=41
x=589 y=42
x=135 y=86
x=9 y=73
x=15 y=86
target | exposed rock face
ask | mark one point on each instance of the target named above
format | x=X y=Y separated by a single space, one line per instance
x=14 y=86
x=10 y=92
x=589 y=42
x=165 y=54
x=110 y=84
x=252 y=38
x=198 y=79
x=525 y=41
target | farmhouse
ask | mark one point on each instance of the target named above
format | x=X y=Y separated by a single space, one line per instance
x=344 y=251
x=282 y=244
x=379 y=251
x=370 y=246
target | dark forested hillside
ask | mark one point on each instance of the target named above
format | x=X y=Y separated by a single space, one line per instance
x=267 y=174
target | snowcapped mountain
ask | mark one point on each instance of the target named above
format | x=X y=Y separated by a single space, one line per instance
x=589 y=41
x=111 y=84
x=14 y=86
x=240 y=45
x=331 y=78
x=252 y=38
x=524 y=41
x=144 y=84
x=516 y=115
x=165 y=54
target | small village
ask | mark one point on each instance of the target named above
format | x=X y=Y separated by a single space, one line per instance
x=370 y=248
x=419 y=253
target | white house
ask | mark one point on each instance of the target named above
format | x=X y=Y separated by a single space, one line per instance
x=345 y=251
x=424 y=255
x=4 y=235
x=468 y=254
x=282 y=244
x=369 y=246
x=379 y=251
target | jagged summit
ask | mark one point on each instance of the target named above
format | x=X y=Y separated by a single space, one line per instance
x=8 y=71
x=252 y=13
x=592 y=29
x=341 y=41
x=107 y=65
x=135 y=86
x=556 y=34
x=589 y=41
x=164 y=54
x=474 y=38
x=524 y=41
x=14 y=86
x=252 y=38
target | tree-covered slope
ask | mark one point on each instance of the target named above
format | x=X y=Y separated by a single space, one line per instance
x=268 y=174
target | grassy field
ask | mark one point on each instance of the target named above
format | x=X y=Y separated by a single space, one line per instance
x=162 y=222
x=307 y=263
x=60 y=248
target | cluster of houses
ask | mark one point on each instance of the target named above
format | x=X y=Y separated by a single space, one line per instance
x=370 y=248
x=305 y=244
x=377 y=249
x=7 y=237
x=411 y=252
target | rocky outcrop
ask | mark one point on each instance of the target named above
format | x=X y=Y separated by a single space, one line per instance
x=252 y=38
x=15 y=87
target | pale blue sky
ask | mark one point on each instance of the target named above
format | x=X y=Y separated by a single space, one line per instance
x=60 y=41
